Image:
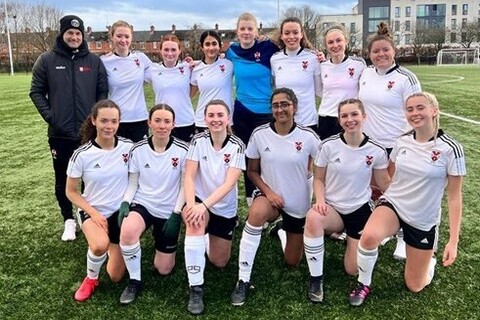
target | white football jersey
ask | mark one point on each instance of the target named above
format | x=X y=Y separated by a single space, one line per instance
x=212 y=169
x=420 y=177
x=160 y=175
x=300 y=73
x=349 y=171
x=384 y=97
x=104 y=172
x=172 y=86
x=126 y=76
x=339 y=82
x=214 y=81
x=284 y=163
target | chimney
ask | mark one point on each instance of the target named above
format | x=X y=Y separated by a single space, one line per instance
x=152 y=29
x=216 y=27
x=261 y=26
x=174 y=28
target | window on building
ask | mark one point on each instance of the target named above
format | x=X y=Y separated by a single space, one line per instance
x=453 y=24
x=454 y=9
x=408 y=25
x=353 y=27
x=453 y=37
x=378 y=12
x=397 y=25
x=408 y=39
x=98 y=45
x=397 y=39
x=464 y=23
x=142 y=45
x=465 y=9
x=377 y=15
x=397 y=12
x=408 y=11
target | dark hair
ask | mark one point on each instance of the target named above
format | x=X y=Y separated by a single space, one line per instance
x=222 y=103
x=383 y=33
x=351 y=101
x=288 y=92
x=304 y=43
x=210 y=33
x=88 y=131
x=161 y=106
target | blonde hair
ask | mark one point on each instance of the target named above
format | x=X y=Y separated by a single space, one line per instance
x=432 y=102
x=118 y=24
x=335 y=27
x=247 y=16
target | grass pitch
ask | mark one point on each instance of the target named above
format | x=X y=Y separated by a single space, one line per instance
x=39 y=273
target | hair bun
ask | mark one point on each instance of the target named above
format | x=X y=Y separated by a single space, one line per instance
x=383 y=29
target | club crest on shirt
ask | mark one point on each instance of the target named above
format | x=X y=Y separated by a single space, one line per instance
x=181 y=69
x=304 y=65
x=175 y=162
x=137 y=62
x=368 y=160
x=435 y=155
x=84 y=69
x=256 y=55
x=54 y=154
x=222 y=67
x=390 y=85
x=125 y=157
x=351 y=72
x=298 y=145
x=226 y=158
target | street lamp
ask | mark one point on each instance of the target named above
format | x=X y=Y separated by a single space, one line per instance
x=8 y=40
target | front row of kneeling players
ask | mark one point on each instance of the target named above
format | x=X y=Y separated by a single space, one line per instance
x=152 y=180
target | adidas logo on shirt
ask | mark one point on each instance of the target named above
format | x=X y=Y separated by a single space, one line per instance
x=115 y=69
x=404 y=152
x=97 y=166
x=424 y=241
x=204 y=158
x=338 y=160
x=267 y=149
x=147 y=166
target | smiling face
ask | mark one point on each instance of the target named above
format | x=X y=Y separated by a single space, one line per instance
x=216 y=118
x=170 y=52
x=161 y=123
x=121 y=39
x=382 y=54
x=73 y=38
x=106 y=123
x=291 y=35
x=420 y=113
x=283 y=109
x=246 y=31
x=210 y=48
x=336 y=43
x=351 y=118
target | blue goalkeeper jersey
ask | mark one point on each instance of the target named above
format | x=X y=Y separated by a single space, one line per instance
x=253 y=74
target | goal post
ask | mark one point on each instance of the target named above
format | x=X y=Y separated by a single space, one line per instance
x=463 y=56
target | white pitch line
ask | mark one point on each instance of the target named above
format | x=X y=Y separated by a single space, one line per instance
x=460 y=118
x=455 y=78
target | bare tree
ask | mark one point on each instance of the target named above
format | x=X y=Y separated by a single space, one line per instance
x=191 y=39
x=428 y=41
x=310 y=20
x=470 y=32
x=43 y=22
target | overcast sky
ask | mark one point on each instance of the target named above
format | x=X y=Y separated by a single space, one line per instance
x=162 y=14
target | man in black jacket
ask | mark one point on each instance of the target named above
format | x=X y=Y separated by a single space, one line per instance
x=66 y=83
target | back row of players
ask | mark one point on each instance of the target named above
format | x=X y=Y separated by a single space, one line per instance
x=215 y=159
